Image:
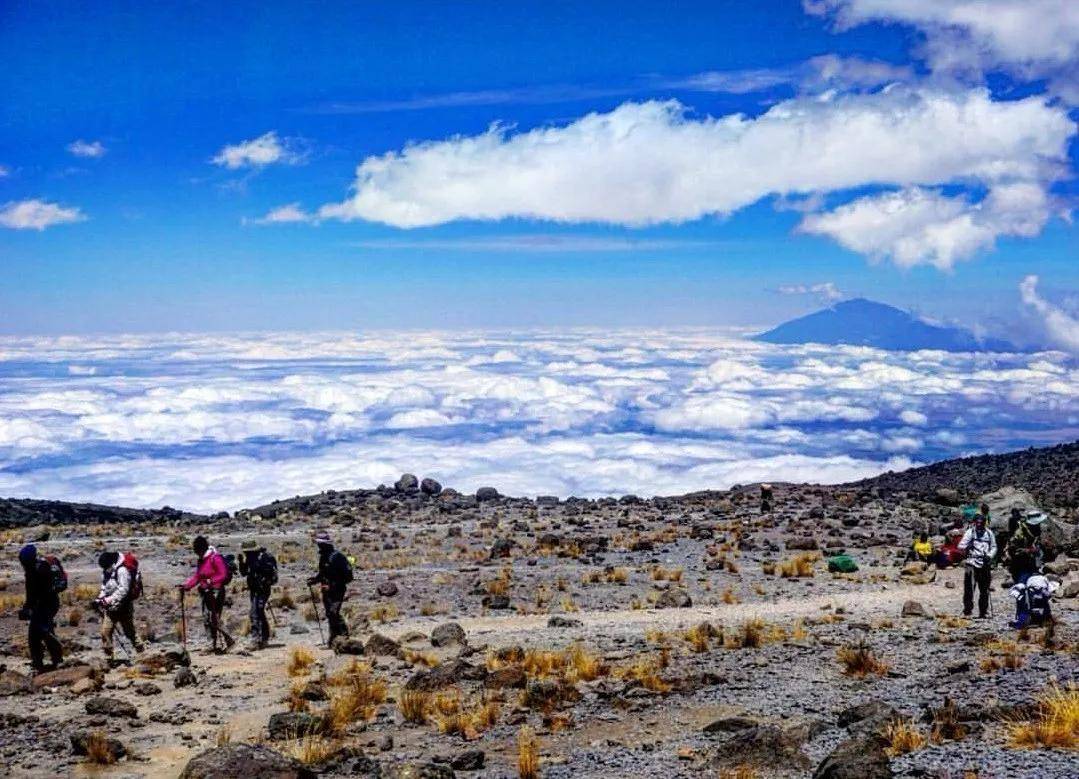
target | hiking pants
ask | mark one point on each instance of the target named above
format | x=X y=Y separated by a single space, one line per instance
x=213 y=602
x=42 y=636
x=979 y=577
x=332 y=602
x=260 y=628
x=122 y=618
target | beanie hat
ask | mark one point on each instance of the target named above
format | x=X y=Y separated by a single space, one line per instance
x=200 y=544
x=107 y=559
x=27 y=554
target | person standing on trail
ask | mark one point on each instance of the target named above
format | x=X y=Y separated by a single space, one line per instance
x=260 y=568
x=1024 y=547
x=212 y=576
x=333 y=577
x=45 y=580
x=980 y=548
x=120 y=586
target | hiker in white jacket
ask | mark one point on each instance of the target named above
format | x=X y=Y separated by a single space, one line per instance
x=116 y=602
x=980 y=547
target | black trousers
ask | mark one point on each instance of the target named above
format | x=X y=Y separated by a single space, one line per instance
x=213 y=603
x=41 y=636
x=979 y=577
x=332 y=602
x=260 y=628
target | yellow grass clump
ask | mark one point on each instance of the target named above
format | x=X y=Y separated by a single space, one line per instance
x=858 y=660
x=1055 y=725
x=309 y=749
x=300 y=660
x=902 y=736
x=97 y=749
x=527 y=754
x=799 y=567
x=413 y=705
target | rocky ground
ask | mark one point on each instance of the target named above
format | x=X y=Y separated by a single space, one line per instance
x=688 y=636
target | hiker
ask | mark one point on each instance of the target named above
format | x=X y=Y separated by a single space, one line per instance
x=921 y=550
x=333 y=577
x=45 y=580
x=1024 y=551
x=948 y=553
x=212 y=576
x=980 y=547
x=260 y=568
x=121 y=584
x=1032 y=601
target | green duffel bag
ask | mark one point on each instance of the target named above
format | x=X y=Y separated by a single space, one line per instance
x=842 y=563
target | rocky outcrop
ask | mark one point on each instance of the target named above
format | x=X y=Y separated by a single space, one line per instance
x=241 y=761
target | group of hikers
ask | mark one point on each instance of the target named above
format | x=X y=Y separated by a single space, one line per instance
x=121 y=586
x=1020 y=548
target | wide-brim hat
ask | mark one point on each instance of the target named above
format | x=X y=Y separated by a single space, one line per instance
x=322 y=537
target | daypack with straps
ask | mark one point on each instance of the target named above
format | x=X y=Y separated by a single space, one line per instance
x=267 y=569
x=57 y=575
x=231 y=568
x=131 y=563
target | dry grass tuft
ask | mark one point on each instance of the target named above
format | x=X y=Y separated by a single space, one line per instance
x=858 y=660
x=645 y=671
x=800 y=566
x=413 y=705
x=527 y=754
x=743 y=771
x=97 y=749
x=300 y=660
x=583 y=665
x=309 y=749
x=1056 y=724
x=902 y=736
x=358 y=696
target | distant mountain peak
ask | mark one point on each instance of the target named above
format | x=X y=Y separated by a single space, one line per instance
x=863 y=322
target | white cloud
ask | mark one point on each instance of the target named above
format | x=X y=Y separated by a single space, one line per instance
x=1030 y=38
x=286 y=214
x=826 y=290
x=4 y=171
x=918 y=226
x=37 y=214
x=225 y=421
x=818 y=73
x=267 y=149
x=648 y=163
x=87 y=149
x=1062 y=328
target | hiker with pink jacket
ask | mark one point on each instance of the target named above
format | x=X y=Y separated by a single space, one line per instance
x=212 y=576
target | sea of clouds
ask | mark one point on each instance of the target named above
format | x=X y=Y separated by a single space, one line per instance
x=211 y=422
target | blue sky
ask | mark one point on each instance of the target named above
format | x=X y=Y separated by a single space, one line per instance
x=115 y=217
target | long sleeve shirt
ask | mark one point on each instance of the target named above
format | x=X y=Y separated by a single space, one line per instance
x=116 y=585
x=210 y=573
x=980 y=548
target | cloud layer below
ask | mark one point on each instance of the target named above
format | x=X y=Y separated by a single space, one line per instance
x=222 y=422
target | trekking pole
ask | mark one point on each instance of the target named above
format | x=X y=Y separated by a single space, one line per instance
x=183 y=619
x=123 y=646
x=273 y=615
x=314 y=605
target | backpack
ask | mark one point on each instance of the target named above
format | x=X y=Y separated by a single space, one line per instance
x=267 y=570
x=346 y=568
x=131 y=563
x=231 y=568
x=57 y=575
x=842 y=563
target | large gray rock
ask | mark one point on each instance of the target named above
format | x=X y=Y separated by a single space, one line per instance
x=80 y=745
x=487 y=493
x=861 y=757
x=291 y=724
x=450 y=672
x=379 y=644
x=244 y=761
x=448 y=633
x=111 y=707
x=674 y=599
x=430 y=487
x=407 y=483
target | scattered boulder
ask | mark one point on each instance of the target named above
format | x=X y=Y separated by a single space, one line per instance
x=346 y=645
x=765 y=745
x=502 y=547
x=379 y=644
x=862 y=757
x=241 y=761
x=430 y=487
x=469 y=760
x=801 y=543
x=450 y=672
x=913 y=608
x=674 y=599
x=184 y=677
x=448 y=633
x=484 y=494
x=14 y=683
x=65 y=677
x=510 y=677
x=496 y=602
x=946 y=496
x=407 y=483
x=290 y=724
x=542 y=694
x=80 y=744
x=387 y=589
x=558 y=621
x=111 y=707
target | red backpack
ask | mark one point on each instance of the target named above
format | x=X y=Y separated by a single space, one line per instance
x=57 y=575
x=131 y=563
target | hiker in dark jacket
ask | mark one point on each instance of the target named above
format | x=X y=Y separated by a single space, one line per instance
x=116 y=602
x=333 y=577
x=1024 y=547
x=260 y=569
x=42 y=604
